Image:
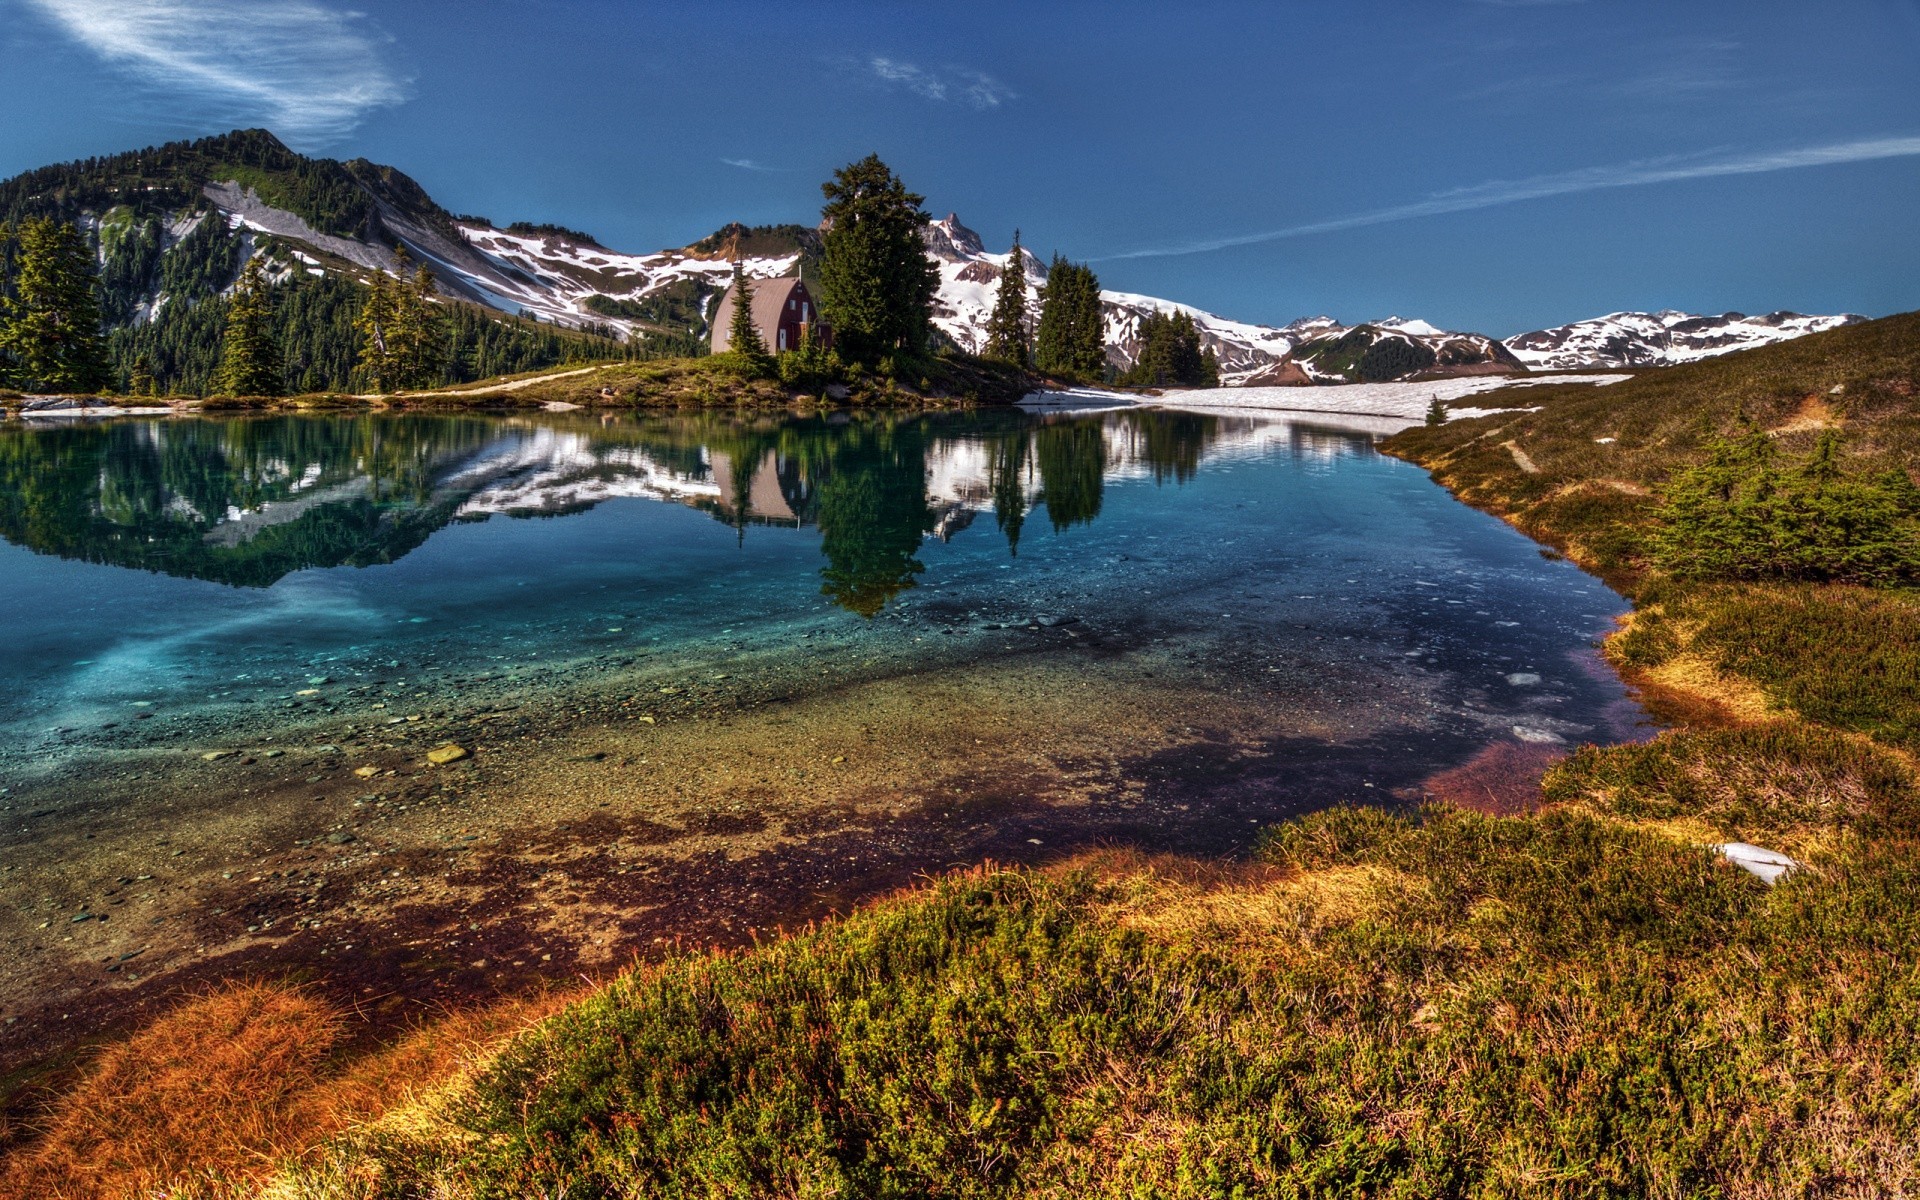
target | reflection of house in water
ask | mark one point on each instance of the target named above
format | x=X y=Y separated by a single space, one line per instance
x=774 y=490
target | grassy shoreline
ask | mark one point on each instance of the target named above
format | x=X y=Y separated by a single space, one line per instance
x=719 y=381
x=1582 y=1000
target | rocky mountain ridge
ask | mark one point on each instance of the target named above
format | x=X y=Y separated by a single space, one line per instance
x=1638 y=339
x=349 y=220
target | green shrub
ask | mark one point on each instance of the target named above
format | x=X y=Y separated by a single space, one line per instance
x=1740 y=515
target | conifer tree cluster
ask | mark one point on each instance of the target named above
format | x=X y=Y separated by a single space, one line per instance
x=50 y=316
x=1743 y=515
x=403 y=335
x=250 y=360
x=876 y=282
x=1170 y=354
x=1071 y=339
x=1007 y=339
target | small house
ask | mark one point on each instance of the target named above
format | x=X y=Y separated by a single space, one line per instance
x=783 y=309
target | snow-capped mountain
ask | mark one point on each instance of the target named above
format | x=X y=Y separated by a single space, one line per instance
x=1635 y=339
x=1248 y=353
x=172 y=224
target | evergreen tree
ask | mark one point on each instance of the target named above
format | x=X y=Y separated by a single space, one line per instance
x=1436 y=413
x=876 y=281
x=1071 y=338
x=140 y=377
x=250 y=363
x=50 y=326
x=1007 y=326
x=404 y=341
x=375 y=323
x=743 y=337
x=1170 y=354
x=420 y=333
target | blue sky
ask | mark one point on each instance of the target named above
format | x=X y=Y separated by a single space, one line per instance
x=1495 y=165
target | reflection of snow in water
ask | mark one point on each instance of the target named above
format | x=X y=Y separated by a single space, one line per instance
x=548 y=470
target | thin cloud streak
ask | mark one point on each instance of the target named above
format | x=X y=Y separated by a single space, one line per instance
x=309 y=72
x=747 y=164
x=1587 y=179
x=974 y=88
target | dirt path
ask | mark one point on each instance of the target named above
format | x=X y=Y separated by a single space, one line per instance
x=494 y=389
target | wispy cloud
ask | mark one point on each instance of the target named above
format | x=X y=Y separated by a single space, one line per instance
x=1670 y=169
x=963 y=85
x=309 y=72
x=747 y=164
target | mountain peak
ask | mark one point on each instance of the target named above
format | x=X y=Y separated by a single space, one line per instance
x=950 y=241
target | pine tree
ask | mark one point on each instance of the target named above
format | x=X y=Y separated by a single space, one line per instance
x=743 y=337
x=140 y=377
x=250 y=362
x=50 y=327
x=1170 y=354
x=876 y=281
x=1007 y=326
x=403 y=334
x=374 y=323
x=421 y=330
x=427 y=350
x=1071 y=338
x=1089 y=344
x=1436 y=413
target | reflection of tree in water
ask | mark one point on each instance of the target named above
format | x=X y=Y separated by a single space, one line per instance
x=1072 y=457
x=178 y=496
x=1169 y=443
x=1007 y=479
x=873 y=513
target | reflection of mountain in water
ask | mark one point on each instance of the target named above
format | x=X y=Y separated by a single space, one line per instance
x=241 y=502
x=248 y=501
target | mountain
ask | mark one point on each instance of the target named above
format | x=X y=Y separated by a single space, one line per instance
x=1636 y=339
x=1307 y=351
x=174 y=224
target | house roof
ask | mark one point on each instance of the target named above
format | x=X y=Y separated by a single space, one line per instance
x=770 y=298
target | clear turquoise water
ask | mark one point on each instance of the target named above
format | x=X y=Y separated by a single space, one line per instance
x=162 y=579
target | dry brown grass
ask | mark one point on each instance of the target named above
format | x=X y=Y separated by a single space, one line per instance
x=1738 y=699
x=210 y=1097
x=214 y=1084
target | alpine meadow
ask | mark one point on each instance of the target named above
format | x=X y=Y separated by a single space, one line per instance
x=835 y=700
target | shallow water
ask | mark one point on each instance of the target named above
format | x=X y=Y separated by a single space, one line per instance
x=715 y=671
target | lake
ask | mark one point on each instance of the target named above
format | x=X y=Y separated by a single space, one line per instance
x=710 y=673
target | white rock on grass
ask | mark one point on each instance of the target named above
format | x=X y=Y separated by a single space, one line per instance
x=1769 y=865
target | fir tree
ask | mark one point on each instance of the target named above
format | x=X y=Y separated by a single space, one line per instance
x=743 y=337
x=1170 y=354
x=140 y=377
x=421 y=330
x=1007 y=327
x=250 y=362
x=1071 y=338
x=375 y=323
x=403 y=336
x=50 y=326
x=876 y=281
x=1436 y=413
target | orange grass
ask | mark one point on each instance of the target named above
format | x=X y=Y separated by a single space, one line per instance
x=215 y=1093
